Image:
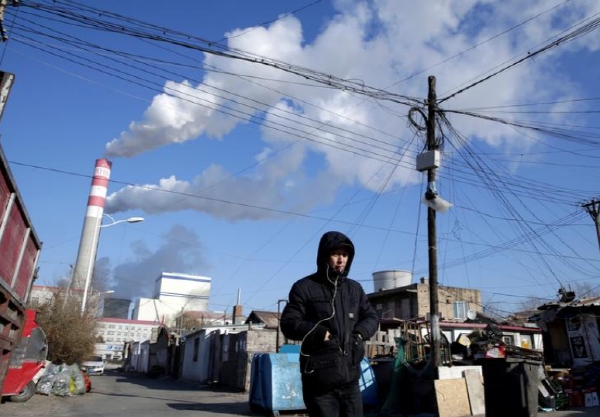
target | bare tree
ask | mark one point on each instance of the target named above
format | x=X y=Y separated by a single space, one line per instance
x=586 y=290
x=188 y=320
x=71 y=335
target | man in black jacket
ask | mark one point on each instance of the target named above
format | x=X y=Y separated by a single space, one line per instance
x=331 y=315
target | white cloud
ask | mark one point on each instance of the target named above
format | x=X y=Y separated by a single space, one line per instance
x=172 y=194
x=379 y=43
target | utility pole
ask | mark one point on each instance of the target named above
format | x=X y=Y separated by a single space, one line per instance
x=432 y=145
x=592 y=209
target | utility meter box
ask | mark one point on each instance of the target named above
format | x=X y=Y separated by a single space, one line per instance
x=428 y=160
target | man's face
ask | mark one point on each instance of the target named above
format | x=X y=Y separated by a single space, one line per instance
x=338 y=259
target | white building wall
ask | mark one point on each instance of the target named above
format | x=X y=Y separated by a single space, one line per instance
x=148 y=309
x=173 y=293
x=116 y=332
x=196 y=357
x=140 y=353
x=199 y=369
x=109 y=350
x=156 y=310
x=135 y=355
x=41 y=295
x=185 y=292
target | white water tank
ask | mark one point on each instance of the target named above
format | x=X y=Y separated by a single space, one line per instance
x=386 y=280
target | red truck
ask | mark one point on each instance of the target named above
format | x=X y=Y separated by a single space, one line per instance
x=19 y=252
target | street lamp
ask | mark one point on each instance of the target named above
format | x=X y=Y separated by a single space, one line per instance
x=129 y=220
x=92 y=259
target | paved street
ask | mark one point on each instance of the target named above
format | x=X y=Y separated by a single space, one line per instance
x=125 y=394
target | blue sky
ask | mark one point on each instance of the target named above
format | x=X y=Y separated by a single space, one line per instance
x=239 y=167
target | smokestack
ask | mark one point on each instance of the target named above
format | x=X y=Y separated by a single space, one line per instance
x=237 y=313
x=237 y=309
x=88 y=245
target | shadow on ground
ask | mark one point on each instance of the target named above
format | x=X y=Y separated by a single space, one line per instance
x=168 y=383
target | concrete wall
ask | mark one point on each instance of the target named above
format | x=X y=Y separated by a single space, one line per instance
x=143 y=358
x=413 y=301
x=239 y=351
x=422 y=300
x=446 y=298
x=223 y=356
x=262 y=341
x=195 y=357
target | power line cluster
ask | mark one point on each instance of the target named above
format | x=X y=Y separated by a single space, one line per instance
x=58 y=29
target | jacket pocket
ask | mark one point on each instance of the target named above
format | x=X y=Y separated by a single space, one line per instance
x=358 y=350
x=326 y=369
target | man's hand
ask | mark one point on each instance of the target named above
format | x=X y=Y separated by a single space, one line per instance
x=327 y=335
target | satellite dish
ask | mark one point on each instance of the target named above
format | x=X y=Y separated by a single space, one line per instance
x=471 y=314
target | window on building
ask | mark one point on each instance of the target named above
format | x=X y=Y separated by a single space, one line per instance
x=508 y=339
x=460 y=309
x=526 y=341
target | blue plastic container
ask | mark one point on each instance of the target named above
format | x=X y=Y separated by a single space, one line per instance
x=276 y=385
x=368 y=385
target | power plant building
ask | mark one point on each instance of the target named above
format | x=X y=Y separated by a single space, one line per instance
x=174 y=293
x=116 y=308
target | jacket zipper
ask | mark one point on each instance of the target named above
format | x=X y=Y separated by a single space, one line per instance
x=342 y=319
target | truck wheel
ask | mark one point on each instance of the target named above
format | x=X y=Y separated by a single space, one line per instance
x=24 y=395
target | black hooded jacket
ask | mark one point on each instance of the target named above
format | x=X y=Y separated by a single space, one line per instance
x=325 y=301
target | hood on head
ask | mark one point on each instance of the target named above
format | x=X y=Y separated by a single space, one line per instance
x=332 y=240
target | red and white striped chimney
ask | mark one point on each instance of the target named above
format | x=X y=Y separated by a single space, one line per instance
x=88 y=245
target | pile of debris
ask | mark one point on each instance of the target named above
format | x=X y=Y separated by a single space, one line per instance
x=487 y=343
x=63 y=380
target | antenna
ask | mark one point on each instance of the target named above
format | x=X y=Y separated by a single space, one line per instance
x=471 y=314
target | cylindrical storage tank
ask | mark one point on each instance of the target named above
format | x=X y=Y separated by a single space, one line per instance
x=386 y=280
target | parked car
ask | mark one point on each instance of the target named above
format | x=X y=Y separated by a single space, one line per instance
x=93 y=365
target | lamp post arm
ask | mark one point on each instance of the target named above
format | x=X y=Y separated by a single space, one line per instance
x=92 y=259
x=113 y=223
x=129 y=220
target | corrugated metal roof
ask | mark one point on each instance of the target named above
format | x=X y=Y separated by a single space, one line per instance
x=578 y=302
x=269 y=318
